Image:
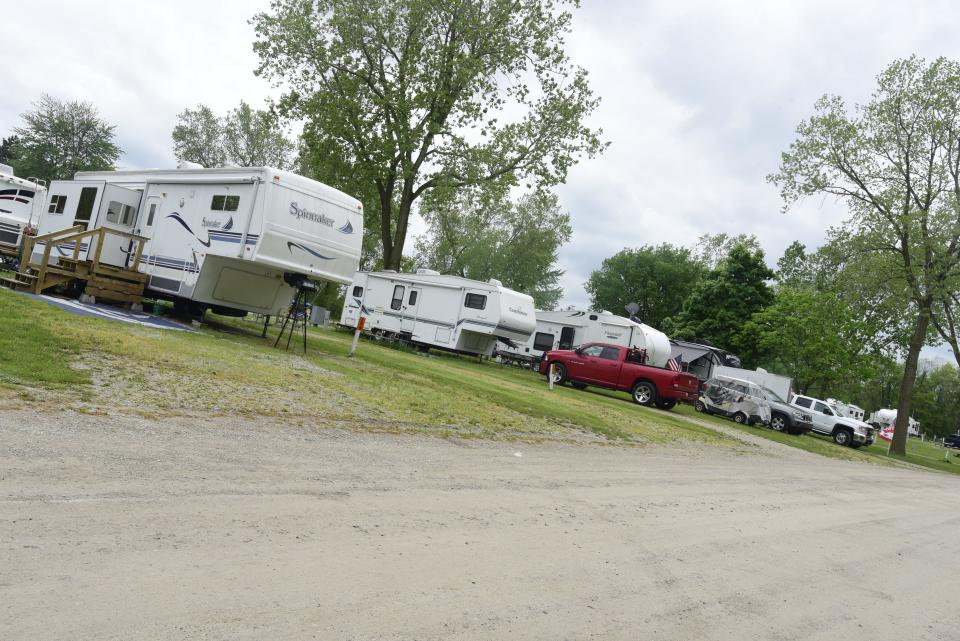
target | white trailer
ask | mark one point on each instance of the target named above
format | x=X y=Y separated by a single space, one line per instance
x=236 y=239
x=781 y=385
x=846 y=409
x=884 y=417
x=432 y=310
x=570 y=328
x=21 y=201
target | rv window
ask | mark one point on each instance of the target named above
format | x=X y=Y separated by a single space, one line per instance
x=88 y=195
x=113 y=211
x=413 y=297
x=357 y=291
x=225 y=203
x=593 y=317
x=610 y=353
x=153 y=210
x=397 y=301
x=27 y=193
x=8 y=192
x=128 y=213
x=543 y=342
x=57 y=203
x=475 y=301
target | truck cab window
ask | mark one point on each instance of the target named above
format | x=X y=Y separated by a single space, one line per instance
x=802 y=402
x=397 y=301
x=593 y=350
x=610 y=353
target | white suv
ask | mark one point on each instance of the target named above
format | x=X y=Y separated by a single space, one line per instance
x=844 y=430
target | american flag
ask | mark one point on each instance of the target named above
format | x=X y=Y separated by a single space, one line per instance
x=674 y=363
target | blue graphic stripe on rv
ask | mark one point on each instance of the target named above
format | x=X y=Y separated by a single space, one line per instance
x=291 y=245
x=346 y=229
x=221 y=236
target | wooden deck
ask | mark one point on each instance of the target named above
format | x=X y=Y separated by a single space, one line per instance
x=102 y=281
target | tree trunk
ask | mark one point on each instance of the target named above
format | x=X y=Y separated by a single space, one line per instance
x=899 y=444
x=392 y=258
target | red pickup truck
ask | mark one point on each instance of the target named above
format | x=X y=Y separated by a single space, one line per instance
x=621 y=368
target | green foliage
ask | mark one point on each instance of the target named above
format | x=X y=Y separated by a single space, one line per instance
x=723 y=300
x=712 y=249
x=811 y=336
x=419 y=94
x=244 y=137
x=657 y=278
x=8 y=147
x=895 y=161
x=936 y=400
x=60 y=138
x=483 y=235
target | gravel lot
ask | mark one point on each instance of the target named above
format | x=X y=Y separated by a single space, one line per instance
x=121 y=528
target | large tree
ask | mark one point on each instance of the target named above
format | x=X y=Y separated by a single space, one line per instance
x=8 y=150
x=60 y=138
x=725 y=299
x=657 y=278
x=895 y=162
x=420 y=94
x=483 y=236
x=243 y=137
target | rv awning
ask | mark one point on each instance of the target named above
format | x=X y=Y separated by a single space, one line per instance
x=686 y=353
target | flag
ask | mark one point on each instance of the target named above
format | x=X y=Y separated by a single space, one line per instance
x=886 y=433
x=674 y=363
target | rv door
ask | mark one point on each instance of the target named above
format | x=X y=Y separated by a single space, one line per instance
x=118 y=210
x=409 y=313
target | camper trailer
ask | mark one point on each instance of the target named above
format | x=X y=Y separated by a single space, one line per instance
x=846 y=409
x=432 y=310
x=701 y=360
x=567 y=329
x=235 y=240
x=20 y=205
x=885 y=417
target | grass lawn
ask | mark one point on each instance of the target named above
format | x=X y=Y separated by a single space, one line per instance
x=99 y=366
x=922 y=454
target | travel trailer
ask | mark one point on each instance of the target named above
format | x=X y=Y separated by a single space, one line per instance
x=700 y=360
x=885 y=417
x=21 y=201
x=782 y=386
x=846 y=409
x=235 y=240
x=567 y=329
x=432 y=310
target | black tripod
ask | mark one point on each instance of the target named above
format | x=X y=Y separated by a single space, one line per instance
x=297 y=314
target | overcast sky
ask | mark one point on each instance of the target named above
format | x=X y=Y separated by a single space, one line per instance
x=699 y=98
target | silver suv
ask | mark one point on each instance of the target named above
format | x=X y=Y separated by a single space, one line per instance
x=844 y=430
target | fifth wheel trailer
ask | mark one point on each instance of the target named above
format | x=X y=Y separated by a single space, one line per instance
x=234 y=239
x=781 y=385
x=433 y=310
x=567 y=329
x=21 y=201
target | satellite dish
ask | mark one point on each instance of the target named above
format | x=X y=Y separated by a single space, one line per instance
x=632 y=309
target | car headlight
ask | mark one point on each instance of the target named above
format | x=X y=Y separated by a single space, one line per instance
x=798 y=415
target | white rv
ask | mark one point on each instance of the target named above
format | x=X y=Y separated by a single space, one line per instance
x=447 y=312
x=846 y=409
x=20 y=205
x=232 y=239
x=567 y=329
x=884 y=417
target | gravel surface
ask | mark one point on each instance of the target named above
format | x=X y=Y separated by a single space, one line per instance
x=124 y=528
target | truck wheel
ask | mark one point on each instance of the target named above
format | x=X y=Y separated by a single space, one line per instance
x=842 y=437
x=644 y=393
x=560 y=373
x=700 y=407
x=666 y=404
x=578 y=385
x=778 y=422
x=740 y=417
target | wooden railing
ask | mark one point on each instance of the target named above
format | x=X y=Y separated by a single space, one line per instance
x=76 y=235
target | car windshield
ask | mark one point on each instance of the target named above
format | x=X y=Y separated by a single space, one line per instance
x=772 y=396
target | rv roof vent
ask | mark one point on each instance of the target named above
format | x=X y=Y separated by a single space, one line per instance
x=495 y=282
x=428 y=272
x=186 y=164
x=6 y=169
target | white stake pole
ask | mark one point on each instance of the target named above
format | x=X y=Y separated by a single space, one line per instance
x=356 y=335
x=550 y=374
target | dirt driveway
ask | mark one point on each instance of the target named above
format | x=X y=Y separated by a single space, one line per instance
x=119 y=528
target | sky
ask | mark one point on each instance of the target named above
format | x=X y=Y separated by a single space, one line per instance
x=698 y=98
